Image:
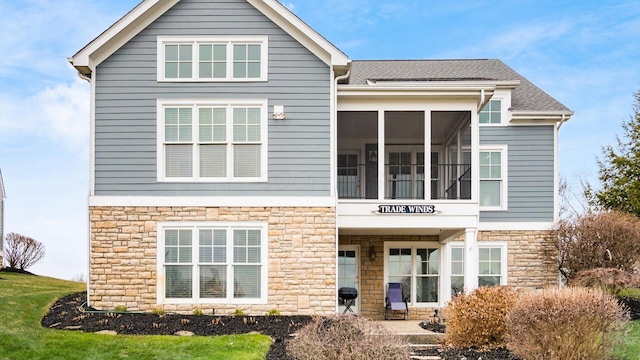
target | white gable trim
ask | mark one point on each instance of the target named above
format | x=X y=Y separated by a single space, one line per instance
x=148 y=11
x=302 y=32
x=119 y=33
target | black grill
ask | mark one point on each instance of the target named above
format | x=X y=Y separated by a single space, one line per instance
x=347 y=293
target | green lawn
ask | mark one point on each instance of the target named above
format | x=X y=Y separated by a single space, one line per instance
x=24 y=300
x=630 y=349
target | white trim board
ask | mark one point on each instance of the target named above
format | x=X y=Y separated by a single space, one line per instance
x=213 y=201
x=515 y=226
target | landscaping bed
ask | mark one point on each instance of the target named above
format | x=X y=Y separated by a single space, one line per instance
x=65 y=314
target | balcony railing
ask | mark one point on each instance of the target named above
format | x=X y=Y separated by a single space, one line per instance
x=448 y=181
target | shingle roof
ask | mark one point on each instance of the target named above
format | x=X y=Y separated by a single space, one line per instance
x=526 y=96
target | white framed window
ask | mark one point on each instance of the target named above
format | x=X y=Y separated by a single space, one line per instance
x=491 y=113
x=212 y=140
x=493 y=177
x=221 y=263
x=457 y=270
x=417 y=266
x=492 y=263
x=212 y=58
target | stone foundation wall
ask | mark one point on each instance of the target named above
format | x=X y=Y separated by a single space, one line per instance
x=301 y=257
x=531 y=257
x=530 y=265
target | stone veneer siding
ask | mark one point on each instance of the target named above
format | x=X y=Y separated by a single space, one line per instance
x=529 y=265
x=301 y=257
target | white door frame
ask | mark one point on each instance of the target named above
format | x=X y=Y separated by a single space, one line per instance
x=356 y=307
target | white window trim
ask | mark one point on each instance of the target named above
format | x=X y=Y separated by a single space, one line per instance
x=446 y=268
x=505 y=108
x=504 y=201
x=413 y=245
x=160 y=284
x=229 y=104
x=229 y=40
x=503 y=258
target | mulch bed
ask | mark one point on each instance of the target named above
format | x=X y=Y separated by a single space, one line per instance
x=633 y=305
x=65 y=314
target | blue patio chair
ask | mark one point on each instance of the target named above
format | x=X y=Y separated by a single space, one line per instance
x=395 y=300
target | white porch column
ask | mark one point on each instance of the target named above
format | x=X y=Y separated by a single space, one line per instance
x=470 y=259
x=381 y=156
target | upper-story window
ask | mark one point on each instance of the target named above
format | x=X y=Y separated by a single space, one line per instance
x=491 y=113
x=493 y=182
x=212 y=59
x=212 y=141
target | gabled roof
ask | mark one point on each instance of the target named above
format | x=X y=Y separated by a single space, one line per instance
x=148 y=11
x=525 y=97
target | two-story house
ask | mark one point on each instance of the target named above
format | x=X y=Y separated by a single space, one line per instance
x=239 y=160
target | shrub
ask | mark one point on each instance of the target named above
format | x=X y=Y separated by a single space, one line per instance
x=238 y=312
x=197 y=312
x=273 y=312
x=615 y=279
x=120 y=308
x=583 y=241
x=158 y=311
x=478 y=319
x=563 y=324
x=21 y=252
x=633 y=293
x=345 y=337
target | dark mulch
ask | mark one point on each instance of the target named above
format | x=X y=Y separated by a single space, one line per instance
x=14 y=270
x=435 y=327
x=469 y=354
x=65 y=314
x=633 y=305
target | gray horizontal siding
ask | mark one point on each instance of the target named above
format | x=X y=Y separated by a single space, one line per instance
x=126 y=98
x=531 y=172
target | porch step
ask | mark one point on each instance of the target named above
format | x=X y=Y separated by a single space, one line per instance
x=423 y=338
x=415 y=348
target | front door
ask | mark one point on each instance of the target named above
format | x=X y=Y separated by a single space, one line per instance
x=349 y=272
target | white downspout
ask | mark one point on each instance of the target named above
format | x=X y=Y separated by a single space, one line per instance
x=334 y=148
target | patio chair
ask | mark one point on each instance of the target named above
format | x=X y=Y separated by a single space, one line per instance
x=395 y=300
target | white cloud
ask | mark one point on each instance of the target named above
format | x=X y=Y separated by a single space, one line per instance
x=59 y=114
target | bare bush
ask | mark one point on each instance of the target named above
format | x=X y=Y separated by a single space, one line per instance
x=21 y=252
x=584 y=239
x=478 y=319
x=346 y=337
x=614 y=279
x=563 y=324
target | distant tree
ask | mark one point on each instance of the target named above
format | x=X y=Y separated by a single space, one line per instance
x=21 y=251
x=619 y=172
x=584 y=239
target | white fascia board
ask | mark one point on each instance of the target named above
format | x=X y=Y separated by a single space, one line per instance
x=119 y=33
x=213 y=201
x=533 y=117
x=302 y=32
x=515 y=226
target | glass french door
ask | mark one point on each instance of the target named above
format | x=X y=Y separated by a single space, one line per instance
x=349 y=272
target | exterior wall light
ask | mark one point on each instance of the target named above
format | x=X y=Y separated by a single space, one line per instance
x=372 y=253
x=278 y=112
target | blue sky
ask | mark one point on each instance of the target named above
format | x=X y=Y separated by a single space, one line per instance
x=584 y=53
